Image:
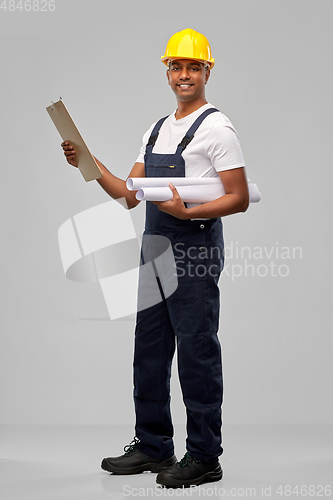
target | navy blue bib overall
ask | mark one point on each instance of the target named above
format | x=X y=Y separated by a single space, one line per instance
x=190 y=317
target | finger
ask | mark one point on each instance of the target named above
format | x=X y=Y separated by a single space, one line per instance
x=65 y=143
x=72 y=162
x=70 y=157
x=173 y=189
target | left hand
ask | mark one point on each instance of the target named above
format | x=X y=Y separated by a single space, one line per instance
x=175 y=206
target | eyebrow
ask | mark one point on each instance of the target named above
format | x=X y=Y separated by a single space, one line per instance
x=190 y=64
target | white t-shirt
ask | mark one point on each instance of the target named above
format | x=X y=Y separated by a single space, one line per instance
x=214 y=148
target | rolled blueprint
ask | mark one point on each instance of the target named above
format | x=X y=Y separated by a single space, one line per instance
x=254 y=192
x=191 y=194
x=135 y=183
x=191 y=189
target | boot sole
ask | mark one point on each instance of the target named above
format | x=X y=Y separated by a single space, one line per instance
x=149 y=466
x=209 y=477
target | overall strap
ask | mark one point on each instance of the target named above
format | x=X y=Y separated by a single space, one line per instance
x=194 y=127
x=154 y=135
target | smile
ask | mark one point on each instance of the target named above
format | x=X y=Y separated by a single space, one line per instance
x=184 y=85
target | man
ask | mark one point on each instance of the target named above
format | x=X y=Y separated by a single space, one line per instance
x=195 y=141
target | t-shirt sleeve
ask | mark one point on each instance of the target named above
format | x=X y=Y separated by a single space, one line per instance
x=145 y=138
x=223 y=147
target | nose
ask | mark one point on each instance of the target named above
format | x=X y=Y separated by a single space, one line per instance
x=184 y=74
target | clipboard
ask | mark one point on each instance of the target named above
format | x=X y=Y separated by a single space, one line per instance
x=68 y=131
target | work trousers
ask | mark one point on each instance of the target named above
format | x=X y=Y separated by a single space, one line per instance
x=189 y=318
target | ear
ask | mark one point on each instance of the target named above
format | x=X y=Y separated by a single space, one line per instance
x=207 y=75
x=168 y=74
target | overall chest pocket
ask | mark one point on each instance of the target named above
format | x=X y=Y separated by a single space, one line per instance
x=171 y=167
x=159 y=163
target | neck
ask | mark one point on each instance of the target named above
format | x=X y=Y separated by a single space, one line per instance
x=186 y=108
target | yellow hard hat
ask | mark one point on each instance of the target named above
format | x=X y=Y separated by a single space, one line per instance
x=188 y=44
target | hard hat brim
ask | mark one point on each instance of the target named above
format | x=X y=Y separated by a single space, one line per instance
x=166 y=59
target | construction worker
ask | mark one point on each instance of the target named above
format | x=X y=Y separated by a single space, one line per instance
x=196 y=140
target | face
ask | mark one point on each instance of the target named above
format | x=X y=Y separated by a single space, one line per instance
x=188 y=78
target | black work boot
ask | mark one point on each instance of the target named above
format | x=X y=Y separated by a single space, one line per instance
x=190 y=471
x=134 y=461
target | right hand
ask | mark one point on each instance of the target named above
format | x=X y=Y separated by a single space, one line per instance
x=69 y=152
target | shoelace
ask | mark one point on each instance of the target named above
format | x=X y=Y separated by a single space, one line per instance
x=188 y=459
x=132 y=446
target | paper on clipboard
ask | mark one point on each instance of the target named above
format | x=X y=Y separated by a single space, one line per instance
x=68 y=131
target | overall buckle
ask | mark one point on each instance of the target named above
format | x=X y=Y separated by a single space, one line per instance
x=185 y=142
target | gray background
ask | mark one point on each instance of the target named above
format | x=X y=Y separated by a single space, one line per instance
x=61 y=360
